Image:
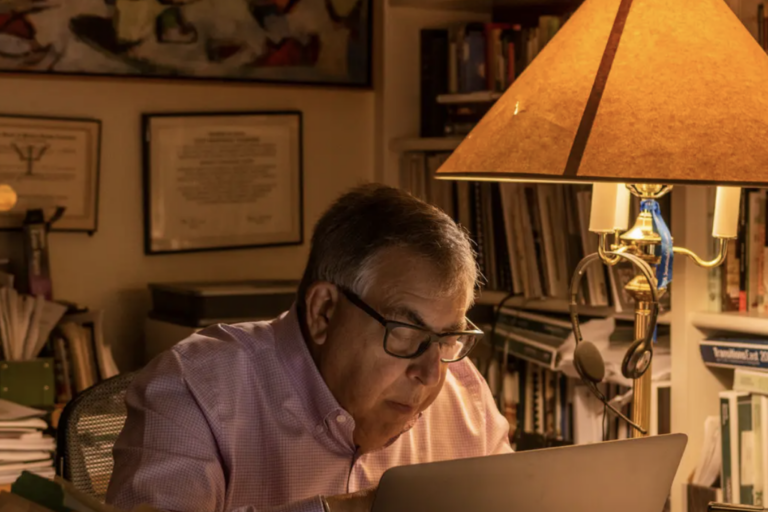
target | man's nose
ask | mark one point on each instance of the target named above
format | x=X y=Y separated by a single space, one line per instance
x=426 y=367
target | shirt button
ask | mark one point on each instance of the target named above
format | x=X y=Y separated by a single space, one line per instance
x=319 y=429
x=341 y=419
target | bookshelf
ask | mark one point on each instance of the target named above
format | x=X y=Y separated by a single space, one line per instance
x=402 y=144
x=481 y=6
x=744 y=323
x=559 y=306
x=695 y=387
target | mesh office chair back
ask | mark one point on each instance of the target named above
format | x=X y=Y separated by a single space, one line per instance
x=88 y=429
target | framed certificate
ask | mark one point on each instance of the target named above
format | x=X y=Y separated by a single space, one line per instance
x=51 y=163
x=217 y=181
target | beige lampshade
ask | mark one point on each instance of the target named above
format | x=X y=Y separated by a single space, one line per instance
x=685 y=99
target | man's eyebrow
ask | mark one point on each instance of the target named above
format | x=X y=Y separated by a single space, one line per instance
x=414 y=318
x=411 y=315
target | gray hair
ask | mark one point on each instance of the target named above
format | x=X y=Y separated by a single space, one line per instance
x=359 y=226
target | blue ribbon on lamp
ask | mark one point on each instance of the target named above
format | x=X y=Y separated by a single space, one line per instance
x=666 y=250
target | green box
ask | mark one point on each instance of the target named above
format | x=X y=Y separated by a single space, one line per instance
x=30 y=383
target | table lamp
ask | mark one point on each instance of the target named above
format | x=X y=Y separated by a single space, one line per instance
x=634 y=96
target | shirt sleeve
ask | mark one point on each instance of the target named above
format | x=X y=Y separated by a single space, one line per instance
x=167 y=456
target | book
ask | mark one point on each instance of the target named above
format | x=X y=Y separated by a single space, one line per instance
x=735 y=352
x=745 y=450
x=532 y=337
x=434 y=80
x=730 y=473
x=760 y=443
x=755 y=249
x=750 y=381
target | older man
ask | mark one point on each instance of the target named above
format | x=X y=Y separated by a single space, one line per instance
x=306 y=412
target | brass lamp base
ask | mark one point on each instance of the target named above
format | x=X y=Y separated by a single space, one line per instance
x=642 y=240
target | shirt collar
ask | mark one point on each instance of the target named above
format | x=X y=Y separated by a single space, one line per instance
x=303 y=373
x=302 y=370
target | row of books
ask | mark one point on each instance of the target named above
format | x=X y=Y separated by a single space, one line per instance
x=744 y=438
x=549 y=408
x=81 y=356
x=529 y=237
x=472 y=58
x=744 y=281
x=528 y=363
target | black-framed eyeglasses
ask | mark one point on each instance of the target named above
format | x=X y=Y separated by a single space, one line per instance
x=407 y=341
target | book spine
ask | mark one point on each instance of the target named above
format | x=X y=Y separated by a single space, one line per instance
x=37 y=266
x=541 y=280
x=726 y=473
x=733 y=356
x=756 y=247
x=746 y=450
x=434 y=80
x=757 y=440
x=763 y=456
x=730 y=275
x=62 y=370
x=743 y=252
x=473 y=62
x=478 y=228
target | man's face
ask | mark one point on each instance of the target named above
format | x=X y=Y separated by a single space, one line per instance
x=381 y=392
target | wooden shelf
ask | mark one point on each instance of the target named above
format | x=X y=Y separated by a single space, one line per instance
x=483 y=6
x=560 y=306
x=480 y=6
x=745 y=323
x=425 y=144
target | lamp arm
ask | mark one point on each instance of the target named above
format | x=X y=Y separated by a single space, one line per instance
x=603 y=249
x=719 y=259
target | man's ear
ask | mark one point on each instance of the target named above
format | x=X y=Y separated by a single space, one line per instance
x=321 y=301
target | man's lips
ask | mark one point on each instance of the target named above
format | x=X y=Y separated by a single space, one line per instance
x=401 y=407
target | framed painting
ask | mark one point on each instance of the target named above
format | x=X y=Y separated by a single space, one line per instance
x=216 y=181
x=284 y=41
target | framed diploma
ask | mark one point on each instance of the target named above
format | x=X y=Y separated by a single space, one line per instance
x=51 y=163
x=216 y=181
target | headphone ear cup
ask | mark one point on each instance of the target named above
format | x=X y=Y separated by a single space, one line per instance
x=637 y=359
x=588 y=362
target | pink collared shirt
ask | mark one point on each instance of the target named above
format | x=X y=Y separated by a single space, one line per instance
x=237 y=417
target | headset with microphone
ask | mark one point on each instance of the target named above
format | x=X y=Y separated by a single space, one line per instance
x=587 y=359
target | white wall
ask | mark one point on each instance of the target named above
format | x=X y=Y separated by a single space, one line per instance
x=110 y=270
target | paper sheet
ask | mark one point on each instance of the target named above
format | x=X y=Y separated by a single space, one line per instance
x=10 y=411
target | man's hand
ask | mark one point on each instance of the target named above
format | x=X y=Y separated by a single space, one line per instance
x=361 y=501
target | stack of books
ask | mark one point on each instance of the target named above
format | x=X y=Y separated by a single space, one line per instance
x=744 y=438
x=24 y=446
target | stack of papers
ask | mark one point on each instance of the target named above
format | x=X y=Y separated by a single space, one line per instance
x=23 y=445
x=710 y=457
x=25 y=323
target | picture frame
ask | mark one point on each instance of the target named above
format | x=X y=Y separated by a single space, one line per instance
x=51 y=162
x=314 y=42
x=222 y=180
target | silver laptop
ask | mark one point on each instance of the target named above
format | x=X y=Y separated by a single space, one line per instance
x=631 y=476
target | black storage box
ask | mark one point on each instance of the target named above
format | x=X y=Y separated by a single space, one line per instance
x=199 y=304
